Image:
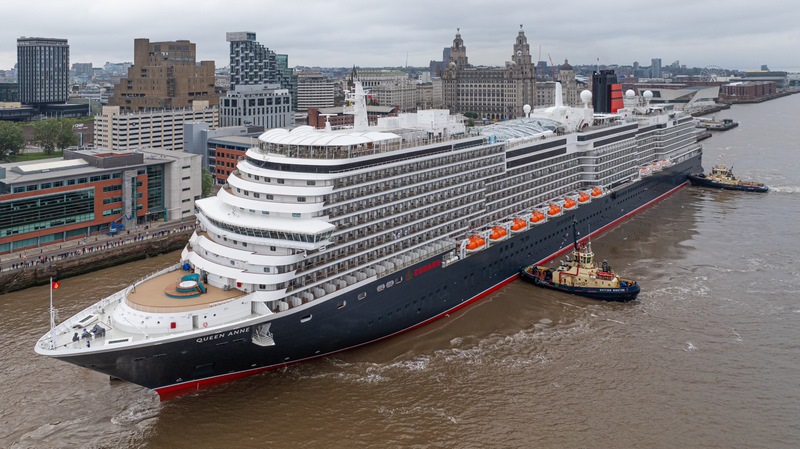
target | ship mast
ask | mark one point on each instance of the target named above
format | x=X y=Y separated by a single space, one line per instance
x=52 y=318
x=356 y=105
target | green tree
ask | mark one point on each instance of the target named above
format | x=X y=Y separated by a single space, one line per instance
x=12 y=140
x=52 y=134
x=207 y=183
x=66 y=134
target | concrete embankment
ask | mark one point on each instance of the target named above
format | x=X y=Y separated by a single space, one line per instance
x=18 y=279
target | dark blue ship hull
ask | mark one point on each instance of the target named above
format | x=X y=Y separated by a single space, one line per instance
x=390 y=305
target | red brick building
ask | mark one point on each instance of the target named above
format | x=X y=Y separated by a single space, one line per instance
x=747 y=91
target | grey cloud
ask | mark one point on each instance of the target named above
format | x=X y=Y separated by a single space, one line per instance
x=378 y=33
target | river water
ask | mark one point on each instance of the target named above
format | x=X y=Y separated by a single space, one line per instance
x=709 y=357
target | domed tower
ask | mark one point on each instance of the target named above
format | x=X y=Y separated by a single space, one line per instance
x=450 y=78
x=458 y=52
x=569 y=87
x=522 y=51
x=521 y=71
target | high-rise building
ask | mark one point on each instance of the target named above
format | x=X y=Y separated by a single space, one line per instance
x=655 y=68
x=314 y=91
x=82 y=70
x=43 y=70
x=165 y=75
x=123 y=131
x=252 y=63
x=287 y=78
x=266 y=105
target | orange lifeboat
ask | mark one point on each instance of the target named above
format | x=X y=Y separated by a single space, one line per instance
x=569 y=203
x=498 y=232
x=475 y=242
x=583 y=197
x=554 y=210
x=518 y=224
x=597 y=191
x=537 y=216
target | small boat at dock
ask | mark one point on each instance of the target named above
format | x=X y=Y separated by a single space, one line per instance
x=716 y=125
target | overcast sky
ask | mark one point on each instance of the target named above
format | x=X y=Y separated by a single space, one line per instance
x=736 y=34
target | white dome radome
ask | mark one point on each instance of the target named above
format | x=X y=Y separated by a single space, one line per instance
x=630 y=93
x=526 y=109
x=586 y=96
x=647 y=94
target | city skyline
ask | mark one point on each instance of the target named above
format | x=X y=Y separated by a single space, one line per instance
x=370 y=34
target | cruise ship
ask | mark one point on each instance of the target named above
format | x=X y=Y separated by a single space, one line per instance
x=324 y=240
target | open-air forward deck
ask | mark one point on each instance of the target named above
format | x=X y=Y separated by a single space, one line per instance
x=162 y=294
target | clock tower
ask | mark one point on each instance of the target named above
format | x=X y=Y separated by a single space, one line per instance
x=522 y=51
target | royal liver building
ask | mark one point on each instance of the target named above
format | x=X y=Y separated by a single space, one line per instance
x=496 y=93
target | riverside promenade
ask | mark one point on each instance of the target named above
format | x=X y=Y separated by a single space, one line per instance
x=34 y=266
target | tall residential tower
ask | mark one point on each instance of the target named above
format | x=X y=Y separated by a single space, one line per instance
x=252 y=63
x=43 y=70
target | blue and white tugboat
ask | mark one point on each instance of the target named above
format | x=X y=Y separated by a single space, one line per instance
x=578 y=275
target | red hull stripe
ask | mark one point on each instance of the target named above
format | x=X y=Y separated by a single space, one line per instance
x=175 y=390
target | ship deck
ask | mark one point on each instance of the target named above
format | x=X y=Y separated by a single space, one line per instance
x=151 y=296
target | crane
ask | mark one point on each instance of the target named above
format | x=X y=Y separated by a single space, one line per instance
x=555 y=77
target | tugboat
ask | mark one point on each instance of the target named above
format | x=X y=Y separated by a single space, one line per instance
x=722 y=177
x=578 y=275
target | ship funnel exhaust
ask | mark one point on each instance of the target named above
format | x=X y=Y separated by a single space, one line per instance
x=606 y=92
x=559 y=96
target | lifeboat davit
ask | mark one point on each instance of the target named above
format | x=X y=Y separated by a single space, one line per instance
x=554 y=210
x=584 y=197
x=569 y=204
x=597 y=191
x=498 y=232
x=538 y=217
x=518 y=225
x=476 y=242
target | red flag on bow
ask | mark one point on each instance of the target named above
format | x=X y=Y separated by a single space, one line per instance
x=55 y=285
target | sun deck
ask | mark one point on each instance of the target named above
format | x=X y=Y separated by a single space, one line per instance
x=158 y=295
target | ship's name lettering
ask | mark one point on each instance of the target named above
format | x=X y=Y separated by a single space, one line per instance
x=243 y=330
x=428 y=267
